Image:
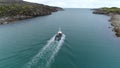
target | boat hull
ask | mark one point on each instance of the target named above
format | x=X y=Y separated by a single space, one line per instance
x=58 y=37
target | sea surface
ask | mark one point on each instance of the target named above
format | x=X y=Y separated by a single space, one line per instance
x=88 y=42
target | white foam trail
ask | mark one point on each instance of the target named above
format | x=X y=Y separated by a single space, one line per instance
x=56 y=50
x=46 y=55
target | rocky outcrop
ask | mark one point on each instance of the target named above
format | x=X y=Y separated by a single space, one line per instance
x=6 y=20
x=23 y=10
x=99 y=11
x=115 y=22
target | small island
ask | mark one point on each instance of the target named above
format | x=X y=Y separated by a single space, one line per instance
x=114 y=13
x=18 y=10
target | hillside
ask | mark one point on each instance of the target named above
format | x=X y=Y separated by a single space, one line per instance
x=23 y=10
x=106 y=10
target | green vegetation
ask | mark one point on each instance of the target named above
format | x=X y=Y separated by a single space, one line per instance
x=23 y=10
x=111 y=10
x=26 y=10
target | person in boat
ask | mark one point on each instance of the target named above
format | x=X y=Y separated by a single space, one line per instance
x=58 y=36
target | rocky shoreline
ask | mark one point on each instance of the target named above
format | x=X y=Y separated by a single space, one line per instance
x=24 y=10
x=115 y=22
x=114 y=19
x=7 y=20
x=99 y=11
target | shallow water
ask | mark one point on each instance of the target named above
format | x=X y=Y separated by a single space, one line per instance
x=89 y=43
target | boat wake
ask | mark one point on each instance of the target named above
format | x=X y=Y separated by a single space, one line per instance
x=46 y=55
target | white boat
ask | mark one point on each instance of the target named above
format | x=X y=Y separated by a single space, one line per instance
x=58 y=36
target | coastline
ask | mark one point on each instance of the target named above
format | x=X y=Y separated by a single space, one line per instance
x=115 y=22
x=114 y=19
x=24 y=10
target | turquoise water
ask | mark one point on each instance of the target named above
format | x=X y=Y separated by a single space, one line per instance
x=87 y=43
